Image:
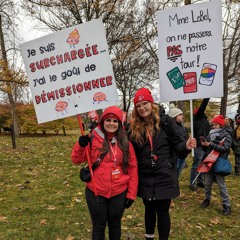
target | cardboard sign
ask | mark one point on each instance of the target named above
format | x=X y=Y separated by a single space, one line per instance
x=190 y=51
x=70 y=72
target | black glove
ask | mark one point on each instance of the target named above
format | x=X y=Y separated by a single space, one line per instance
x=84 y=140
x=128 y=203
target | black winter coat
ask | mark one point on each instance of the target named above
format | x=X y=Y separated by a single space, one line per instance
x=201 y=126
x=183 y=132
x=160 y=182
x=236 y=142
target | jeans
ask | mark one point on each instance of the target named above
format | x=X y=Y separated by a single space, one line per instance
x=209 y=179
x=105 y=211
x=157 y=211
x=197 y=159
x=180 y=166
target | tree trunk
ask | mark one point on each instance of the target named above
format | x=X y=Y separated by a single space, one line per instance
x=181 y=105
x=187 y=2
x=223 y=107
x=7 y=78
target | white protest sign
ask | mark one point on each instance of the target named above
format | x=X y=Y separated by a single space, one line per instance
x=190 y=51
x=70 y=72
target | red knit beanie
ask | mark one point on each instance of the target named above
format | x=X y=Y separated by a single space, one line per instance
x=219 y=119
x=143 y=94
x=112 y=112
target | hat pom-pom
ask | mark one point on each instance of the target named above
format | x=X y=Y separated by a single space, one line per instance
x=171 y=106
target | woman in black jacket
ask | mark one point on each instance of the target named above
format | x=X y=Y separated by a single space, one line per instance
x=156 y=140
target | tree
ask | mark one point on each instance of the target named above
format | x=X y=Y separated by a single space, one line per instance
x=231 y=55
x=11 y=81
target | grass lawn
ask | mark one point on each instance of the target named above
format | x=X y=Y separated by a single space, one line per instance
x=42 y=198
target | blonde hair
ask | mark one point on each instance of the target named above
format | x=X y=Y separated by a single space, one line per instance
x=139 y=127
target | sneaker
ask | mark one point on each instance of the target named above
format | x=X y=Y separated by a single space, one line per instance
x=226 y=210
x=193 y=187
x=201 y=185
x=205 y=203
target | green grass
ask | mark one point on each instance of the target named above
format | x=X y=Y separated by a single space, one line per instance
x=41 y=197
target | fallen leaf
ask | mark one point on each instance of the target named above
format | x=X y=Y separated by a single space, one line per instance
x=215 y=221
x=51 y=207
x=201 y=225
x=70 y=237
x=43 y=221
x=3 y=219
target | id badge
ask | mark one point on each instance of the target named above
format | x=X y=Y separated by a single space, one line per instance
x=115 y=172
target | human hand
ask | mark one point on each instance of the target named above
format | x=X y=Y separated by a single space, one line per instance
x=128 y=203
x=191 y=143
x=84 y=140
x=206 y=144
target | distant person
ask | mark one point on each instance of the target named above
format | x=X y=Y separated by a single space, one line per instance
x=229 y=123
x=93 y=123
x=155 y=139
x=116 y=176
x=201 y=128
x=236 y=146
x=177 y=114
x=216 y=135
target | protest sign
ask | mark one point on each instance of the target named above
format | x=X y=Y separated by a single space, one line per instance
x=190 y=51
x=70 y=72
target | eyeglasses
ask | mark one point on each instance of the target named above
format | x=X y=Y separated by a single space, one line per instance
x=142 y=104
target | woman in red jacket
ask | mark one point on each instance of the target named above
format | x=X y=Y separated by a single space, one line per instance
x=116 y=177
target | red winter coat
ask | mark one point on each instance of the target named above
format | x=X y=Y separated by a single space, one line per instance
x=105 y=185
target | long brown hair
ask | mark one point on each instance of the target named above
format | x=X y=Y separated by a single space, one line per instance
x=138 y=126
x=123 y=144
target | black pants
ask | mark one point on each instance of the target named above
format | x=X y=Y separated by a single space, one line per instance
x=237 y=160
x=105 y=211
x=157 y=211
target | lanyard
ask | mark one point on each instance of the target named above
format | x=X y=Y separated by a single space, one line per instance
x=150 y=140
x=114 y=152
x=153 y=156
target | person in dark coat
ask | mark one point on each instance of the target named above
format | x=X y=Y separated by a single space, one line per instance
x=229 y=124
x=156 y=140
x=177 y=115
x=236 y=146
x=216 y=135
x=201 y=128
x=93 y=123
